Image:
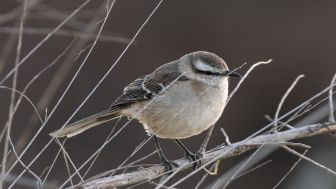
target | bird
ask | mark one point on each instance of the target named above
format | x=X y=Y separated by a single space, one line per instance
x=178 y=100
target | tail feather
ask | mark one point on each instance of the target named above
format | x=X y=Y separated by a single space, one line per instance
x=85 y=124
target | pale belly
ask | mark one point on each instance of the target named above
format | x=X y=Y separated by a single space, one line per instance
x=177 y=115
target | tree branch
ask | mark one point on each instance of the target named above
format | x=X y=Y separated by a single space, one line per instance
x=222 y=152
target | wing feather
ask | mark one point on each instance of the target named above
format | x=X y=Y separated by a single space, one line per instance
x=147 y=87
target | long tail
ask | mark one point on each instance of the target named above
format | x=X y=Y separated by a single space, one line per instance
x=85 y=124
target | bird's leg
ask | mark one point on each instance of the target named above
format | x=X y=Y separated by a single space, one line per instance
x=202 y=148
x=169 y=165
x=195 y=158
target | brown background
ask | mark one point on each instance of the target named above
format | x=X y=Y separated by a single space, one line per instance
x=298 y=35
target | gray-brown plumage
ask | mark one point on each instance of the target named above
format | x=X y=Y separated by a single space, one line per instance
x=178 y=100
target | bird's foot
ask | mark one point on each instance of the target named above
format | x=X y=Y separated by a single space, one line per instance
x=195 y=159
x=169 y=166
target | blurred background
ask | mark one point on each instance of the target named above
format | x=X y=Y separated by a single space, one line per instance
x=298 y=35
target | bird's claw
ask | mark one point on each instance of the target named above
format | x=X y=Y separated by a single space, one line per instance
x=195 y=159
x=169 y=165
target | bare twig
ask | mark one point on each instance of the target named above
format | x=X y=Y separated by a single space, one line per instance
x=289 y=171
x=22 y=94
x=16 y=11
x=58 y=102
x=107 y=37
x=108 y=136
x=56 y=14
x=14 y=83
x=39 y=181
x=276 y=116
x=214 y=171
x=58 y=79
x=315 y=116
x=205 y=176
x=331 y=102
x=67 y=157
x=223 y=153
x=254 y=168
x=282 y=123
x=52 y=164
x=227 y=139
x=233 y=176
x=44 y=40
x=310 y=160
x=204 y=144
x=244 y=77
x=131 y=155
x=67 y=167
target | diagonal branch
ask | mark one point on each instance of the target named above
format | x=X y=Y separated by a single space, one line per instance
x=225 y=152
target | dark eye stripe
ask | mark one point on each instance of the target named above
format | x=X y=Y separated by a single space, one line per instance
x=207 y=72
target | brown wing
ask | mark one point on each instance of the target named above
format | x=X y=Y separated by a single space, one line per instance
x=145 y=88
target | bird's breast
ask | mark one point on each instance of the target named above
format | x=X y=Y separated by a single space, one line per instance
x=183 y=110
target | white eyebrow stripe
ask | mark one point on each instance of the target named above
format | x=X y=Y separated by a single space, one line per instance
x=200 y=65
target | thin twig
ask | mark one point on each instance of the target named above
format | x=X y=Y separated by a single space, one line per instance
x=244 y=77
x=156 y=185
x=310 y=160
x=22 y=94
x=316 y=116
x=12 y=99
x=67 y=167
x=206 y=139
x=50 y=12
x=242 y=167
x=226 y=136
x=58 y=79
x=282 y=123
x=289 y=90
x=331 y=102
x=65 y=153
x=15 y=12
x=199 y=183
x=44 y=40
x=293 y=144
x=52 y=164
x=96 y=157
x=58 y=102
x=107 y=37
x=131 y=155
x=253 y=169
x=289 y=171
x=38 y=179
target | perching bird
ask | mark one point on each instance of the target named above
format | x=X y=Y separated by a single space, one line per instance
x=178 y=100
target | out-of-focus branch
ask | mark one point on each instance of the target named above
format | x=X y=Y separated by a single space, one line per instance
x=225 y=152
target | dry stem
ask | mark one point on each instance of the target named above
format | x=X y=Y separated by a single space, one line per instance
x=221 y=153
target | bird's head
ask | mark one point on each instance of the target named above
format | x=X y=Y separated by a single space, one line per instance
x=206 y=67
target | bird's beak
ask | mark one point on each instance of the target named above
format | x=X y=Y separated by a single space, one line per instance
x=232 y=74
